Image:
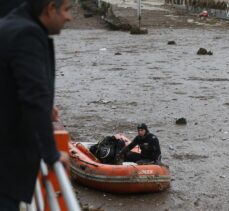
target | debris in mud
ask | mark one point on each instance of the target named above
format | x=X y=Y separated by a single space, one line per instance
x=102 y=49
x=190 y=20
x=132 y=103
x=171 y=43
x=181 y=121
x=86 y=208
x=207 y=79
x=88 y=15
x=117 y=53
x=204 y=14
x=197 y=202
x=137 y=30
x=222 y=176
x=100 y=101
x=171 y=147
x=203 y=51
x=189 y=156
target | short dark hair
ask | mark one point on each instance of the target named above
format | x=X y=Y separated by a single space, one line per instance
x=142 y=126
x=38 y=5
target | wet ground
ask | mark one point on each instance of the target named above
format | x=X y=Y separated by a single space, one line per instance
x=108 y=81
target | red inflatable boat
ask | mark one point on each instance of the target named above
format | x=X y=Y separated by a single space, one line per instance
x=126 y=178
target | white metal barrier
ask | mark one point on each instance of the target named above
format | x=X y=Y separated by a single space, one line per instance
x=38 y=203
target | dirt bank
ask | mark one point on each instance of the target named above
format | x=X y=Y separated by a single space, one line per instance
x=164 y=16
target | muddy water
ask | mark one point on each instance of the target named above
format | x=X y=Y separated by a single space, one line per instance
x=101 y=93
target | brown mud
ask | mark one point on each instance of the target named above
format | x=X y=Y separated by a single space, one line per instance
x=108 y=81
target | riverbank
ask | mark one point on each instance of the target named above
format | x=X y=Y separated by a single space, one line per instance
x=108 y=81
x=155 y=14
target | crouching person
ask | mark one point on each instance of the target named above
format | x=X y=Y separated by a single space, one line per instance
x=149 y=145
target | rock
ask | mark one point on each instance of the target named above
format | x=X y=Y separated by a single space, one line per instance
x=117 y=53
x=137 y=30
x=203 y=51
x=171 y=43
x=181 y=121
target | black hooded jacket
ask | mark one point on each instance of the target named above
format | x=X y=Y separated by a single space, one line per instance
x=149 y=145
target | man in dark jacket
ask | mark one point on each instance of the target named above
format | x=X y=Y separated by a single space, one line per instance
x=27 y=72
x=8 y=5
x=149 y=145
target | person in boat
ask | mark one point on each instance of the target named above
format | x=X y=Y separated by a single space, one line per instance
x=27 y=70
x=149 y=145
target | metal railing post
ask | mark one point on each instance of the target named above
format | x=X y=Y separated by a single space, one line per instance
x=53 y=203
x=66 y=188
x=38 y=196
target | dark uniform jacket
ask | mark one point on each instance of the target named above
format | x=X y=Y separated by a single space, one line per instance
x=149 y=145
x=27 y=92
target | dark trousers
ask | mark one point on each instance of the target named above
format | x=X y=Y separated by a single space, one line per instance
x=135 y=157
x=8 y=204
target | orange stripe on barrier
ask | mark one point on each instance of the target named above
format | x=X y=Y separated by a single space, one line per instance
x=62 y=139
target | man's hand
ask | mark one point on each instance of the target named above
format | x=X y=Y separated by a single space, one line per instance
x=55 y=114
x=64 y=158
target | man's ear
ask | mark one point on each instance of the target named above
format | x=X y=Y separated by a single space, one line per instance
x=50 y=9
